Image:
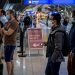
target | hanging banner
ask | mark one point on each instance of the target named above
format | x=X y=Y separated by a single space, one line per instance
x=35 y=38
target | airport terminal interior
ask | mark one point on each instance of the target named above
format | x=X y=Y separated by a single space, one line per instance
x=29 y=56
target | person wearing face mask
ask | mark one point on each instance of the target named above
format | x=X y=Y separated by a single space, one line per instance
x=10 y=32
x=49 y=24
x=55 y=46
x=8 y=17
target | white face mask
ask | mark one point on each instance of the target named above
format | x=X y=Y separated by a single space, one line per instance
x=50 y=23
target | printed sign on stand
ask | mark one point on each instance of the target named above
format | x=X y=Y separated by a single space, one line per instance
x=35 y=38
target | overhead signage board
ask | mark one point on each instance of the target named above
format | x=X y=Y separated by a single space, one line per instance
x=63 y=2
x=49 y=1
x=37 y=1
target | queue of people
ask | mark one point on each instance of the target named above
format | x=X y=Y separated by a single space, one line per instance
x=60 y=43
x=8 y=32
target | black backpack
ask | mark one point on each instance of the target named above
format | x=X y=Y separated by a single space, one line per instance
x=66 y=43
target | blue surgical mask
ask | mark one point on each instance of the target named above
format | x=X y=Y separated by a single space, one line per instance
x=50 y=23
x=8 y=17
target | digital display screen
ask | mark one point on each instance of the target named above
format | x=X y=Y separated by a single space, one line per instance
x=37 y=1
x=49 y=1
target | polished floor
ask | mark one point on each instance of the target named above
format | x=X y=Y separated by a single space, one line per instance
x=33 y=65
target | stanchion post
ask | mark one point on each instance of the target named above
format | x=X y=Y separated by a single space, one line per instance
x=22 y=52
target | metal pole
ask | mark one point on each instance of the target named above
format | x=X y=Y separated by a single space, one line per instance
x=21 y=42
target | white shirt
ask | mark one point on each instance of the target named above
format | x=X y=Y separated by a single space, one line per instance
x=69 y=26
x=4 y=20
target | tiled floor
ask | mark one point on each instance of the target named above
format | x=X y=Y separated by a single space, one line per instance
x=34 y=65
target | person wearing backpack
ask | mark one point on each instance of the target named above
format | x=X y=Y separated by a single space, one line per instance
x=55 y=46
x=71 y=57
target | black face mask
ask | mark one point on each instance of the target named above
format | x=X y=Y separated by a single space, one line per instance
x=8 y=17
x=65 y=22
